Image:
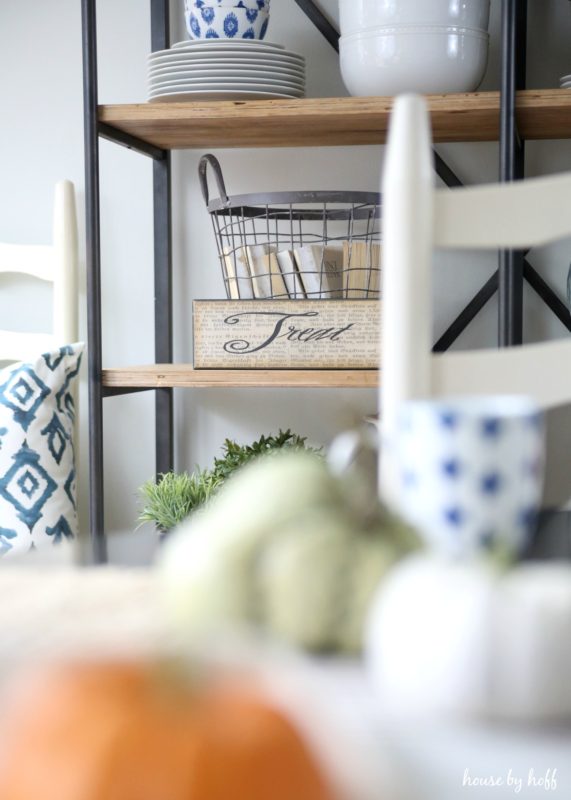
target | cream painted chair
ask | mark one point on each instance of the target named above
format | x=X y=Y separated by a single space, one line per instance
x=56 y=264
x=418 y=218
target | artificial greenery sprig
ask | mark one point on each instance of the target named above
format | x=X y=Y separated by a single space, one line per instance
x=236 y=455
x=177 y=495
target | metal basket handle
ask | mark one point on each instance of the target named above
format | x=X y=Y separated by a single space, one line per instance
x=202 y=168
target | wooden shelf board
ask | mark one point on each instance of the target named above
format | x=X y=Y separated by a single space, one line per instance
x=542 y=114
x=184 y=376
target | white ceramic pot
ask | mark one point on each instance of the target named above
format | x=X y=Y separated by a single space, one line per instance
x=223 y=22
x=361 y=15
x=427 y=61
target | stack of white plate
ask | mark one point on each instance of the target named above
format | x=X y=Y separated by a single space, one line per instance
x=565 y=82
x=213 y=69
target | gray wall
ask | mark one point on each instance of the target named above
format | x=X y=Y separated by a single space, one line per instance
x=41 y=140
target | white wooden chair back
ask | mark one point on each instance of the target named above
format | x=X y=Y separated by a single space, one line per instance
x=55 y=263
x=417 y=218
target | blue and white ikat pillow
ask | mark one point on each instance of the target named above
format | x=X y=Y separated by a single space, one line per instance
x=38 y=506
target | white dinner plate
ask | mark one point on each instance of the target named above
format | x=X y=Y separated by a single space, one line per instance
x=223 y=75
x=277 y=75
x=565 y=78
x=183 y=97
x=226 y=87
x=216 y=54
x=227 y=67
x=225 y=79
x=207 y=86
x=228 y=71
x=225 y=60
x=565 y=85
x=247 y=44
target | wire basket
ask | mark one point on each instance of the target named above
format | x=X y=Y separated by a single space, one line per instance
x=295 y=245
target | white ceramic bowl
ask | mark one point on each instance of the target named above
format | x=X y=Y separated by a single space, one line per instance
x=222 y=22
x=426 y=61
x=361 y=15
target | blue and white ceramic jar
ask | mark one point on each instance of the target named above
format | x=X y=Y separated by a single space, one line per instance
x=261 y=5
x=243 y=19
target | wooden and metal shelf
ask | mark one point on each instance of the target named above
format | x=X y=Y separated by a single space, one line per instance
x=337 y=121
x=510 y=116
x=180 y=376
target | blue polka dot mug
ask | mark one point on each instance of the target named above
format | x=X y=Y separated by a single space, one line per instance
x=468 y=472
x=217 y=21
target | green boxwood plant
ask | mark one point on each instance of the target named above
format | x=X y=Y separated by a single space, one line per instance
x=171 y=499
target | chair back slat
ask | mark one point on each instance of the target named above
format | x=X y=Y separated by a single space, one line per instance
x=535 y=369
x=18 y=346
x=504 y=217
x=28 y=259
x=55 y=263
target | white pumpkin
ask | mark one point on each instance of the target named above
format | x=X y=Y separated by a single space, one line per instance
x=457 y=639
x=531 y=675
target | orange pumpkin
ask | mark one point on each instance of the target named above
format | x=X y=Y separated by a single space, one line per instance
x=126 y=731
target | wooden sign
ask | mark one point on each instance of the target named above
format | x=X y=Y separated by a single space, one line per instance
x=286 y=334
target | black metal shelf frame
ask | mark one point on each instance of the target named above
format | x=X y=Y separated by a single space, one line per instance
x=508 y=280
x=162 y=225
